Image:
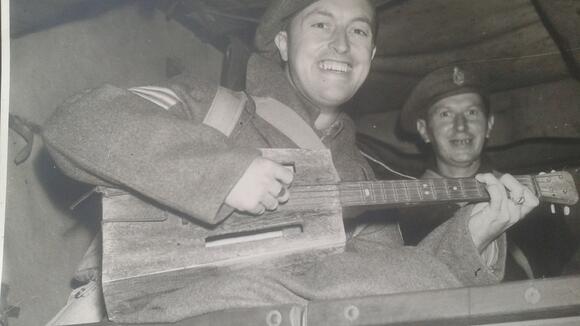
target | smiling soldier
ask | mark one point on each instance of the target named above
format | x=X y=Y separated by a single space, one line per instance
x=314 y=56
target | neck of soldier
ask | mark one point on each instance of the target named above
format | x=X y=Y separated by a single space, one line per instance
x=457 y=170
x=326 y=118
x=323 y=116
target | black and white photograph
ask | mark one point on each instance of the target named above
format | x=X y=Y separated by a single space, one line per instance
x=290 y=162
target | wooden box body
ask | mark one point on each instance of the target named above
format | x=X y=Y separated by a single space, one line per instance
x=149 y=250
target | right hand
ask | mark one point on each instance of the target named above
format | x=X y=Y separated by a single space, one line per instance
x=262 y=187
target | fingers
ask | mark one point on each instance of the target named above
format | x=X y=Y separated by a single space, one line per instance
x=497 y=191
x=263 y=186
x=521 y=195
x=269 y=202
x=279 y=192
x=257 y=209
x=283 y=174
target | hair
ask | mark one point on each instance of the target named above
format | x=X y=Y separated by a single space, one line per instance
x=374 y=26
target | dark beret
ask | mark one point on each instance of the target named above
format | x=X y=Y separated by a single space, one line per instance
x=441 y=83
x=274 y=20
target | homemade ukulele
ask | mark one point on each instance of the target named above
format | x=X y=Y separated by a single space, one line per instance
x=148 y=250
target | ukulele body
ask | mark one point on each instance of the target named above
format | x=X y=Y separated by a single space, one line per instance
x=149 y=250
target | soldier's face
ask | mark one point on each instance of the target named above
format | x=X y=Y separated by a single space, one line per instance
x=328 y=48
x=457 y=127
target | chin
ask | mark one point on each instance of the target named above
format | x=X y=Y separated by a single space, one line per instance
x=335 y=97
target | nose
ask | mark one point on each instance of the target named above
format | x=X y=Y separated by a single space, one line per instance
x=460 y=122
x=339 y=41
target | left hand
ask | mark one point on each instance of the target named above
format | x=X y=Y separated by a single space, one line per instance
x=489 y=220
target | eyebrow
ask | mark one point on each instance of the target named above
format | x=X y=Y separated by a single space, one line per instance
x=326 y=13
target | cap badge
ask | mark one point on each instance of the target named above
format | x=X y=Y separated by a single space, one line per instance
x=458 y=76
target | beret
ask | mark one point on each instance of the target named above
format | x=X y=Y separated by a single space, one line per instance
x=274 y=20
x=441 y=83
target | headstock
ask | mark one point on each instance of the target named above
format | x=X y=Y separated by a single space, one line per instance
x=557 y=187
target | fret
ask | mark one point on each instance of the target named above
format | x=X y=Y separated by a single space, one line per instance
x=401 y=191
x=426 y=190
x=365 y=193
x=446 y=185
x=417 y=187
x=461 y=187
x=383 y=191
x=406 y=191
x=433 y=189
x=394 y=192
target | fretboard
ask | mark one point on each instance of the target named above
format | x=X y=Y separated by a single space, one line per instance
x=393 y=192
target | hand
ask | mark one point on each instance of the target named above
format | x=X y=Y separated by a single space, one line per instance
x=489 y=220
x=262 y=187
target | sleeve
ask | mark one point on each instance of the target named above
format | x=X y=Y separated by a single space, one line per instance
x=109 y=136
x=453 y=245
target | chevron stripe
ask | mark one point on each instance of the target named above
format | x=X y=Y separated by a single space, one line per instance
x=164 y=97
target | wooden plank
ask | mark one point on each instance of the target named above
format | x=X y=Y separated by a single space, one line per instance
x=282 y=315
x=148 y=250
x=567 y=321
x=517 y=301
x=533 y=303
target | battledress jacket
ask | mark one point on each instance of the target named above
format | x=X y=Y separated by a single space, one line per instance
x=109 y=136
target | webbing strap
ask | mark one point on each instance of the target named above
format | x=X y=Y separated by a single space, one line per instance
x=228 y=105
x=288 y=122
x=225 y=110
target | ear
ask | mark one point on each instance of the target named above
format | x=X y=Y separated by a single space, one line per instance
x=374 y=51
x=422 y=129
x=281 y=41
x=490 y=122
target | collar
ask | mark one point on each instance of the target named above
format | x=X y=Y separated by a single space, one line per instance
x=266 y=78
x=433 y=171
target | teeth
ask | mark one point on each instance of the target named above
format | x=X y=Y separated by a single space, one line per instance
x=334 y=66
x=461 y=141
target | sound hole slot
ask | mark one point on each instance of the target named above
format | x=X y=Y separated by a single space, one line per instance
x=253 y=235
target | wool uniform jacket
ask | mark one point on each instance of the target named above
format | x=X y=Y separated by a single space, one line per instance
x=109 y=136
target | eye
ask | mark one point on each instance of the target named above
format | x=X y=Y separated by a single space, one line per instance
x=320 y=25
x=444 y=114
x=361 y=32
x=473 y=113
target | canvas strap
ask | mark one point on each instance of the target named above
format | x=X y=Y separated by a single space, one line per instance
x=226 y=110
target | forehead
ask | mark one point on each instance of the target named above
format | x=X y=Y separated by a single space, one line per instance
x=349 y=10
x=459 y=101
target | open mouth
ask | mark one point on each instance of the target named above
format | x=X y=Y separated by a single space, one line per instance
x=461 y=142
x=335 y=66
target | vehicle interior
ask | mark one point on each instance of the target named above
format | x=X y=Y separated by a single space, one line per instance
x=527 y=50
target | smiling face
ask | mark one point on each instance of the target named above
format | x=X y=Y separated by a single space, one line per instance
x=328 y=48
x=457 y=127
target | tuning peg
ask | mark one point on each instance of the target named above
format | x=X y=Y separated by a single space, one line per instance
x=553 y=209
x=566 y=210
